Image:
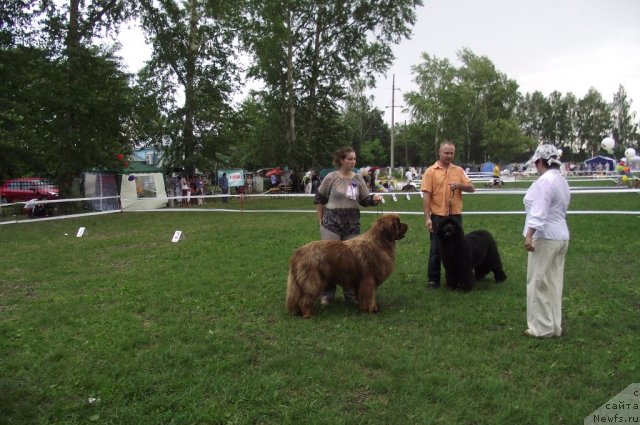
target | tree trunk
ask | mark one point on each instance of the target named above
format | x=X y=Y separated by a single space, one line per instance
x=189 y=92
x=291 y=108
x=468 y=142
x=313 y=82
x=435 y=140
x=68 y=145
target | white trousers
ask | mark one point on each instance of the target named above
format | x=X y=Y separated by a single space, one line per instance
x=545 y=279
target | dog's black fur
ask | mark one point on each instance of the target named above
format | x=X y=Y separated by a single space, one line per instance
x=467 y=258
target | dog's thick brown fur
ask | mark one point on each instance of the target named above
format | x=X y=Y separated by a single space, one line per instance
x=360 y=264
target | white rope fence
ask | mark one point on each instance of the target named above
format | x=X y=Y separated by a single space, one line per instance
x=387 y=196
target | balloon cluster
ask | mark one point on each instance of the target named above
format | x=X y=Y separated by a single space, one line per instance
x=123 y=163
x=624 y=169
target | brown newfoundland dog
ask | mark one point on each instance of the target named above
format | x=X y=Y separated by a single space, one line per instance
x=360 y=264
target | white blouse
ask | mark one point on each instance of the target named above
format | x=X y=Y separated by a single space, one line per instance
x=546 y=203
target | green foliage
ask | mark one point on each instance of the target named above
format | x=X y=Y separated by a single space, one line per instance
x=464 y=103
x=457 y=102
x=65 y=102
x=625 y=131
x=594 y=120
x=194 y=52
x=372 y=153
x=505 y=140
x=579 y=125
x=66 y=105
x=308 y=53
x=29 y=99
x=366 y=131
x=433 y=104
x=485 y=94
x=257 y=144
x=560 y=128
x=38 y=102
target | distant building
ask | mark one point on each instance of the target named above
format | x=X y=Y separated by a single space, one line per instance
x=149 y=156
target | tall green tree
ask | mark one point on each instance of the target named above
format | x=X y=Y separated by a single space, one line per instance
x=257 y=143
x=28 y=102
x=409 y=145
x=77 y=98
x=194 y=55
x=625 y=125
x=17 y=22
x=486 y=95
x=550 y=119
x=533 y=112
x=457 y=102
x=308 y=52
x=365 y=129
x=503 y=141
x=593 y=120
x=84 y=142
x=432 y=105
x=560 y=129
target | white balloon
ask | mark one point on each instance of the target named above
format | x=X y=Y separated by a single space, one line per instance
x=630 y=153
x=559 y=153
x=608 y=144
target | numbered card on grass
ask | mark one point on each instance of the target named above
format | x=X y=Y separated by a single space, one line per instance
x=177 y=236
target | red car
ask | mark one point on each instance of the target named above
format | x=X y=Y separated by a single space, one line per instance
x=27 y=188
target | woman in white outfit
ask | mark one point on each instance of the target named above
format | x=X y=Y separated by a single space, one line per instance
x=547 y=240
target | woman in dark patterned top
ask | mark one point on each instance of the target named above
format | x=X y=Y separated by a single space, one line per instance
x=337 y=201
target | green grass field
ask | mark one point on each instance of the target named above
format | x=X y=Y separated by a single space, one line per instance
x=124 y=327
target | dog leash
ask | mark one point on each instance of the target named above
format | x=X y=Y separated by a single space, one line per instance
x=379 y=210
x=451 y=193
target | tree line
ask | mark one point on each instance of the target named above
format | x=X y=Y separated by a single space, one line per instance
x=67 y=104
x=482 y=110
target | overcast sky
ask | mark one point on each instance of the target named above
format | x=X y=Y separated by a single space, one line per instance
x=545 y=45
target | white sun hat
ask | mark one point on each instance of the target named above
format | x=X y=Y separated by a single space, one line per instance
x=549 y=153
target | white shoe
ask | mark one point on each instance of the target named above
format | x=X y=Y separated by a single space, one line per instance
x=529 y=332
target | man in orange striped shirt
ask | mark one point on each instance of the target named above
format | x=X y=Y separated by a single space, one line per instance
x=442 y=186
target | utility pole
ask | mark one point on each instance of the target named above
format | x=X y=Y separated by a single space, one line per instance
x=393 y=107
x=406 y=149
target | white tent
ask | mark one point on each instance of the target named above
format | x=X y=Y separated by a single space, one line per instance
x=143 y=191
x=143 y=188
x=102 y=186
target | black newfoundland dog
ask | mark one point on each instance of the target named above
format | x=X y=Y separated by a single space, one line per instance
x=467 y=258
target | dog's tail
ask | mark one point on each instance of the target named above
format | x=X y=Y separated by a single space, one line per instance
x=293 y=293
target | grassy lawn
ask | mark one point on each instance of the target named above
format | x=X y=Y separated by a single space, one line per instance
x=124 y=327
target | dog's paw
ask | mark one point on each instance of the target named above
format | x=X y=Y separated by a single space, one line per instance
x=500 y=277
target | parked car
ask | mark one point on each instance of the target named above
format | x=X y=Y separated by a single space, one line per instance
x=27 y=188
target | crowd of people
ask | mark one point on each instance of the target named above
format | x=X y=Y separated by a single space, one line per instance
x=185 y=188
x=187 y=191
